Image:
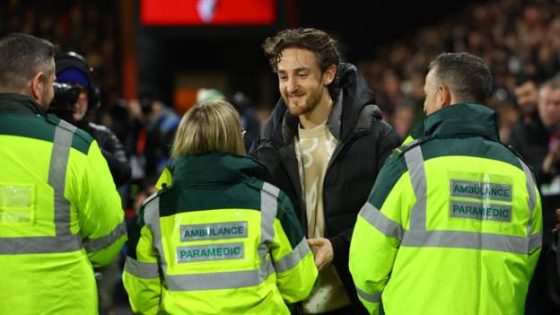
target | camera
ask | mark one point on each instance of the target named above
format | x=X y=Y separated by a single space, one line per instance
x=65 y=96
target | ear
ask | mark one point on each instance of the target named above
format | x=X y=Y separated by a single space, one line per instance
x=444 y=96
x=36 y=86
x=329 y=74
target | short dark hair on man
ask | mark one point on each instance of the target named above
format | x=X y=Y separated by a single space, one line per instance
x=467 y=76
x=22 y=56
x=314 y=40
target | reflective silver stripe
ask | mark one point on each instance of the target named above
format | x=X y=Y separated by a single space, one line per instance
x=92 y=245
x=218 y=280
x=62 y=143
x=415 y=164
x=269 y=204
x=535 y=242
x=465 y=239
x=141 y=269
x=269 y=210
x=530 y=184
x=292 y=259
x=39 y=245
x=383 y=224
x=372 y=298
x=151 y=218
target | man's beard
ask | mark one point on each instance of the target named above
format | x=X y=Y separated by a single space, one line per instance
x=310 y=103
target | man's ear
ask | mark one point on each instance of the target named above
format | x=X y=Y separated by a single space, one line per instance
x=329 y=74
x=36 y=85
x=444 y=96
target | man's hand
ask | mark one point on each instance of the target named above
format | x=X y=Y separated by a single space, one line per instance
x=557 y=227
x=322 y=250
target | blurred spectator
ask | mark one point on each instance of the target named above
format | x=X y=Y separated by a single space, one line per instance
x=151 y=131
x=516 y=38
x=248 y=117
x=539 y=143
x=403 y=119
x=244 y=106
x=527 y=98
x=90 y=27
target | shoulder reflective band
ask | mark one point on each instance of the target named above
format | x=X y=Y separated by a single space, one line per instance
x=383 y=224
x=63 y=241
x=415 y=164
x=418 y=236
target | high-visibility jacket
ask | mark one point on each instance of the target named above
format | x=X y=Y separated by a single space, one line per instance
x=218 y=241
x=453 y=224
x=59 y=213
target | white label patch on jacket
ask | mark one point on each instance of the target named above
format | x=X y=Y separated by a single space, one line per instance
x=216 y=231
x=480 y=211
x=17 y=203
x=480 y=190
x=210 y=252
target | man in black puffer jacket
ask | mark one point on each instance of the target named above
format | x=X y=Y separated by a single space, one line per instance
x=324 y=145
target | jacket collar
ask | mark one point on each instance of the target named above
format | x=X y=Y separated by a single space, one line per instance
x=13 y=103
x=216 y=168
x=457 y=120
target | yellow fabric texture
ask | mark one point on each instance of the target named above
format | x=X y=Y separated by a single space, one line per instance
x=58 y=282
x=150 y=295
x=447 y=280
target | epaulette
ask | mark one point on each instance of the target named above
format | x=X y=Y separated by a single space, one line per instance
x=416 y=142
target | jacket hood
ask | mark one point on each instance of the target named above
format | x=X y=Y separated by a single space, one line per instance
x=354 y=93
x=216 y=168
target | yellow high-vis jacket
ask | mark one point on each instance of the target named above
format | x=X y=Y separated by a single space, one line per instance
x=453 y=224
x=217 y=241
x=60 y=213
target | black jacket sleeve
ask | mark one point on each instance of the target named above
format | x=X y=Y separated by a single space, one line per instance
x=114 y=153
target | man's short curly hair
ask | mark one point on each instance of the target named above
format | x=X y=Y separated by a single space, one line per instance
x=320 y=43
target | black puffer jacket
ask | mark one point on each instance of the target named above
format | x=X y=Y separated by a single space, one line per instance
x=112 y=150
x=364 y=143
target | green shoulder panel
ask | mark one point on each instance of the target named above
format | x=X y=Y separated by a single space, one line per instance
x=27 y=126
x=471 y=147
x=392 y=170
x=81 y=140
x=180 y=198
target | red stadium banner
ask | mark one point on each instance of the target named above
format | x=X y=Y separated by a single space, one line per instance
x=207 y=12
